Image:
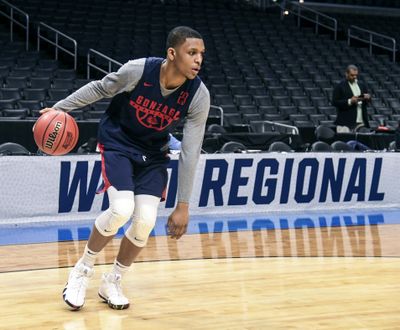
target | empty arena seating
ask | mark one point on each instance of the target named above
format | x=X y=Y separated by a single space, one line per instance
x=257 y=66
x=29 y=81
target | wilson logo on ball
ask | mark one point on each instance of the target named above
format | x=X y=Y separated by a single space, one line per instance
x=53 y=135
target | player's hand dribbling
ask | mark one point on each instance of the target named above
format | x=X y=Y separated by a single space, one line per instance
x=46 y=110
x=178 y=221
x=42 y=112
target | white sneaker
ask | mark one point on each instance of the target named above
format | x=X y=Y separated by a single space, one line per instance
x=75 y=290
x=111 y=291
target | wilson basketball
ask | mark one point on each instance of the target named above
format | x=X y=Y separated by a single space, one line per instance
x=56 y=133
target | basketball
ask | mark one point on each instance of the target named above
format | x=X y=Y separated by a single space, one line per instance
x=56 y=133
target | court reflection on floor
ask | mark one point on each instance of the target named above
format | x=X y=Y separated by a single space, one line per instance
x=346 y=235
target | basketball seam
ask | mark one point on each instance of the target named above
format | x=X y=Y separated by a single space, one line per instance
x=65 y=128
x=76 y=133
x=44 y=135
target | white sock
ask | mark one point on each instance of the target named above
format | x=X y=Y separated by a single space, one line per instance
x=119 y=268
x=89 y=257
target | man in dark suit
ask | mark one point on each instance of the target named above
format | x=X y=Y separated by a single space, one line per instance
x=350 y=98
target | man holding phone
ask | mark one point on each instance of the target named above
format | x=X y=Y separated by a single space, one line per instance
x=350 y=97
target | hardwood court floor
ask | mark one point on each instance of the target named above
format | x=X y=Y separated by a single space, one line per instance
x=246 y=293
x=314 y=278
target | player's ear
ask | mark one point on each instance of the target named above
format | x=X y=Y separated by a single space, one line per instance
x=171 y=53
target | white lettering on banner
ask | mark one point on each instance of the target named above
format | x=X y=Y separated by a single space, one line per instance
x=285 y=181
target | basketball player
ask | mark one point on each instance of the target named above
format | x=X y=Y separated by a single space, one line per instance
x=149 y=97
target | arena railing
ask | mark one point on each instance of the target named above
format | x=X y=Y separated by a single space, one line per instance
x=14 y=11
x=221 y=111
x=288 y=129
x=372 y=39
x=110 y=61
x=58 y=35
x=314 y=16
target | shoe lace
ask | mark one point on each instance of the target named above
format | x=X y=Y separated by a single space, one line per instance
x=116 y=286
x=81 y=277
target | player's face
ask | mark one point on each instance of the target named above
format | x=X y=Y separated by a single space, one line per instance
x=189 y=57
x=351 y=75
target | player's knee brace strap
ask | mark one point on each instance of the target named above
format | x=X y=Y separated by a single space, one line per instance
x=120 y=210
x=144 y=219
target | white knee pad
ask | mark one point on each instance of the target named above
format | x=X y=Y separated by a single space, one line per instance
x=121 y=208
x=144 y=219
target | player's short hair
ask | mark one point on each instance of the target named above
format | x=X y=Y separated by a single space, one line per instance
x=351 y=67
x=179 y=34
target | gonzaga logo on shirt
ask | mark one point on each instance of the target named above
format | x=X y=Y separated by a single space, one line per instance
x=155 y=115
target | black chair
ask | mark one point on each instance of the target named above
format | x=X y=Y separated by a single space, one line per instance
x=21 y=113
x=39 y=94
x=219 y=89
x=229 y=108
x=307 y=110
x=273 y=116
x=324 y=133
x=238 y=90
x=298 y=116
x=303 y=123
x=295 y=91
x=257 y=90
x=26 y=62
x=233 y=147
x=63 y=83
x=21 y=72
x=232 y=119
x=327 y=110
x=4 y=70
x=240 y=128
x=16 y=82
x=341 y=146
x=301 y=101
x=216 y=129
x=287 y=111
x=262 y=100
x=248 y=109
x=10 y=93
x=13 y=149
x=48 y=64
x=268 y=110
x=321 y=146
x=248 y=117
x=280 y=147
x=65 y=73
x=260 y=126
x=43 y=72
x=30 y=104
x=8 y=103
x=40 y=82
x=222 y=100
x=58 y=94
x=316 y=118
